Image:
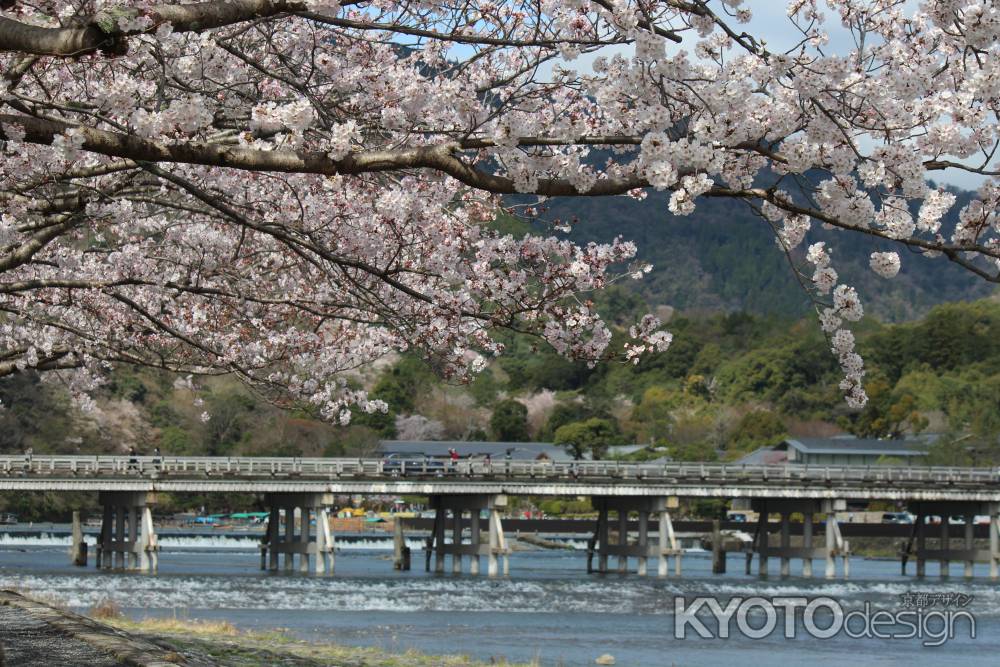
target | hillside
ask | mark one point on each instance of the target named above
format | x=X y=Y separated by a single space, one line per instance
x=723 y=257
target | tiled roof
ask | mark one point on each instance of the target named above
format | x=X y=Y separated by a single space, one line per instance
x=858 y=446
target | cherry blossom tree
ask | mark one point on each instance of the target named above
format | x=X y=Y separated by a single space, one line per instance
x=287 y=190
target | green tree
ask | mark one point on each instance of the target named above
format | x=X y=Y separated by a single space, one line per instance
x=757 y=428
x=693 y=451
x=888 y=414
x=229 y=418
x=592 y=436
x=573 y=411
x=509 y=422
x=651 y=418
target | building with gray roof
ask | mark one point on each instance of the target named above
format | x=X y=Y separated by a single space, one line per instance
x=851 y=451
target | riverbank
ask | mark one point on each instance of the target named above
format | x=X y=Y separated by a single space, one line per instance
x=221 y=643
x=37 y=632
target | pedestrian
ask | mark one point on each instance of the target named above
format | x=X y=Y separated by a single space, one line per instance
x=506 y=463
x=28 y=453
x=133 y=460
x=156 y=457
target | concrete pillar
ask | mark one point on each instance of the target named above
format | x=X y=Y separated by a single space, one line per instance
x=289 y=537
x=78 y=549
x=474 y=539
x=643 y=541
x=491 y=557
x=672 y=540
x=327 y=551
x=401 y=556
x=273 y=521
x=831 y=544
x=921 y=545
x=603 y=539
x=762 y=546
x=662 y=537
x=429 y=550
x=497 y=544
x=456 y=540
x=149 y=553
x=718 y=549
x=807 y=544
x=785 y=543
x=622 y=540
x=132 y=520
x=994 y=546
x=120 y=513
x=969 y=544
x=439 y=540
x=945 y=546
x=304 y=520
x=107 y=524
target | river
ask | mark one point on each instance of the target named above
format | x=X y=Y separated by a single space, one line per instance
x=548 y=610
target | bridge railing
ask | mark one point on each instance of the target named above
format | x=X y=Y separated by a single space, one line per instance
x=369 y=468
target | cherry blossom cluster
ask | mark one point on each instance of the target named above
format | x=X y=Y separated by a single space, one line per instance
x=886 y=264
x=287 y=190
x=845 y=306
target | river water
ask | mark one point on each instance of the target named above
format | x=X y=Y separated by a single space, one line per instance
x=548 y=610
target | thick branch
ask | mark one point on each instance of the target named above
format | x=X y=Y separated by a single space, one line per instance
x=102 y=30
x=440 y=157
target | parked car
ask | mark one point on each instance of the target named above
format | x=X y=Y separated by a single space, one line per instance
x=897 y=517
x=8 y=518
x=736 y=517
x=412 y=464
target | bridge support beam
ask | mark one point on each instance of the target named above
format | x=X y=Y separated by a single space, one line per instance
x=307 y=507
x=78 y=547
x=128 y=540
x=495 y=548
x=400 y=552
x=665 y=546
x=835 y=545
x=968 y=554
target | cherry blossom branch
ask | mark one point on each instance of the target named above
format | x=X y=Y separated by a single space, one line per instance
x=104 y=31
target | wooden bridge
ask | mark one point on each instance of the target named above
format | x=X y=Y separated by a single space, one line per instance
x=299 y=491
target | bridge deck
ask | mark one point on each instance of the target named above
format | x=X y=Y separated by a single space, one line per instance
x=582 y=478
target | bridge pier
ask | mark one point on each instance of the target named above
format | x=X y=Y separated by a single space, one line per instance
x=400 y=552
x=128 y=540
x=835 y=545
x=309 y=506
x=944 y=554
x=495 y=548
x=665 y=546
x=78 y=547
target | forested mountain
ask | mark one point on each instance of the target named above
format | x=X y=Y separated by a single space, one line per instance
x=723 y=257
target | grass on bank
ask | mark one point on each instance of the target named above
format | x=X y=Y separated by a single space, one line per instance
x=224 y=642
